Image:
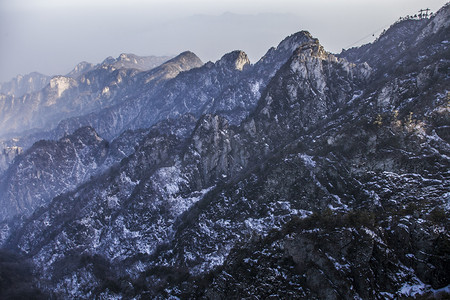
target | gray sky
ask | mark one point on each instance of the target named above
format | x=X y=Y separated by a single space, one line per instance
x=52 y=36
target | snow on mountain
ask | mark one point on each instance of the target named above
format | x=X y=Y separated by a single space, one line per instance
x=305 y=175
x=25 y=84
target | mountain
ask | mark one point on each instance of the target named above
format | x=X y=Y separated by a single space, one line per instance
x=85 y=89
x=26 y=84
x=81 y=152
x=114 y=100
x=231 y=87
x=197 y=91
x=331 y=181
x=98 y=89
x=34 y=82
x=131 y=61
x=50 y=168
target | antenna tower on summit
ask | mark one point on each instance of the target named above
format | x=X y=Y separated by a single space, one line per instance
x=423 y=13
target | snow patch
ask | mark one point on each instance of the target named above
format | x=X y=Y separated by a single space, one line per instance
x=308 y=160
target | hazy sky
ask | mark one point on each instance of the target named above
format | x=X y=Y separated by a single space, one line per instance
x=52 y=36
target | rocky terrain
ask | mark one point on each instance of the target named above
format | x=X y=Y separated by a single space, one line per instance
x=307 y=175
x=26 y=84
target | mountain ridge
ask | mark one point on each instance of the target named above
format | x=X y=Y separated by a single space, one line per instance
x=333 y=184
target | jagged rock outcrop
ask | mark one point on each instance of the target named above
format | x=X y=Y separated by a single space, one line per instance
x=132 y=61
x=25 y=84
x=311 y=86
x=93 y=90
x=7 y=155
x=48 y=169
x=336 y=186
x=80 y=69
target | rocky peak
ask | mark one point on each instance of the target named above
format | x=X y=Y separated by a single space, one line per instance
x=311 y=49
x=310 y=86
x=108 y=61
x=87 y=135
x=286 y=47
x=132 y=61
x=58 y=85
x=126 y=57
x=49 y=168
x=440 y=21
x=236 y=60
x=80 y=69
x=24 y=84
x=294 y=40
x=186 y=60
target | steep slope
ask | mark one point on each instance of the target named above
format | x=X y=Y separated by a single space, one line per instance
x=50 y=168
x=156 y=184
x=336 y=186
x=231 y=87
x=26 y=84
x=94 y=89
x=132 y=61
x=309 y=88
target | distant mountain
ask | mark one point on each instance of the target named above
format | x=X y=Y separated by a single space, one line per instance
x=34 y=82
x=50 y=168
x=131 y=61
x=44 y=105
x=231 y=87
x=304 y=176
x=64 y=97
x=26 y=84
x=116 y=100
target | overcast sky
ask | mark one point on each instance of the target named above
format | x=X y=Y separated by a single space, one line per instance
x=52 y=36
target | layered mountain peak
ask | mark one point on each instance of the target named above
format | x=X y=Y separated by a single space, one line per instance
x=292 y=42
x=80 y=69
x=24 y=84
x=440 y=21
x=236 y=60
x=310 y=86
x=311 y=49
x=132 y=61
x=72 y=159
x=187 y=60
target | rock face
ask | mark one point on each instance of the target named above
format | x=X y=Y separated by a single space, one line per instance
x=114 y=100
x=7 y=155
x=131 y=61
x=50 y=168
x=26 y=84
x=335 y=186
x=90 y=89
x=231 y=87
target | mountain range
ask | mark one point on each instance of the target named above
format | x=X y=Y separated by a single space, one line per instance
x=307 y=175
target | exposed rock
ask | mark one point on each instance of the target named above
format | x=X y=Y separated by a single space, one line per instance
x=26 y=84
x=336 y=186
